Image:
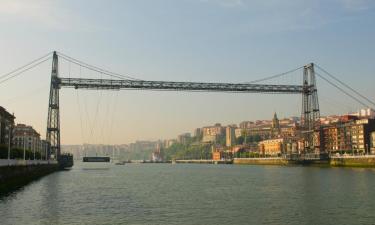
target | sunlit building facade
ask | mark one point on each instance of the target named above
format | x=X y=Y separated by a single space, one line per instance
x=25 y=137
x=212 y=133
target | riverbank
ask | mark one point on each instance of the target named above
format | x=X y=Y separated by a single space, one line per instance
x=261 y=161
x=18 y=174
x=365 y=161
x=205 y=161
x=353 y=161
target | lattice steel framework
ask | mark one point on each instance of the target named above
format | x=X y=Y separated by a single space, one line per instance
x=310 y=118
x=310 y=112
x=53 y=121
x=80 y=83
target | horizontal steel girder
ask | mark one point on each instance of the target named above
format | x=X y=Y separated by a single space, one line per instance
x=81 y=83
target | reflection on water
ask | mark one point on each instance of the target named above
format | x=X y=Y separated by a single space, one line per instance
x=95 y=168
x=195 y=194
x=95 y=165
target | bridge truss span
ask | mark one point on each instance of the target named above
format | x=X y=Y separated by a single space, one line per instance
x=308 y=90
x=108 y=84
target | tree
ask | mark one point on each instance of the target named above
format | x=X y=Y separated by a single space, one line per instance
x=240 y=140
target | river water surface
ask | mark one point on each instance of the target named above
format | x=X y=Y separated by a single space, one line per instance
x=194 y=194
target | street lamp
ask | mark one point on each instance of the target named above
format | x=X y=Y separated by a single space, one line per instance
x=34 y=149
x=46 y=150
x=24 y=146
x=9 y=134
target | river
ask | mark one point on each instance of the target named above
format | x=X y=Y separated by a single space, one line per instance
x=194 y=194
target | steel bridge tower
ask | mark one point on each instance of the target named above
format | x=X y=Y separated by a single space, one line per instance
x=53 y=121
x=310 y=118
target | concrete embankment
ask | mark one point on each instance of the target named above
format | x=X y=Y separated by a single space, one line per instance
x=347 y=161
x=261 y=161
x=16 y=176
x=353 y=161
x=205 y=161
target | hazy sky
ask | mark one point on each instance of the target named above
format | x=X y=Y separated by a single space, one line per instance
x=184 y=40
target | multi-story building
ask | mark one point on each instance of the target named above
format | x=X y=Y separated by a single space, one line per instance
x=337 y=137
x=6 y=126
x=26 y=137
x=247 y=124
x=230 y=136
x=264 y=131
x=289 y=130
x=272 y=147
x=218 y=152
x=267 y=129
x=169 y=143
x=361 y=134
x=283 y=145
x=183 y=138
x=352 y=135
x=198 y=132
x=238 y=132
x=212 y=133
x=45 y=149
x=367 y=113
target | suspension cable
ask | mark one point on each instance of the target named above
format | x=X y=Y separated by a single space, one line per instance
x=94 y=68
x=98 y=70
x=80 y=117
x=22 y=71
x=342 y=90
x=347 y=86
x=96 y=115
x=28 y=64
x=112 y=118
x=274 y=76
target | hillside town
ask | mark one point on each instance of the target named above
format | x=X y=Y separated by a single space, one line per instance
x=352 y=133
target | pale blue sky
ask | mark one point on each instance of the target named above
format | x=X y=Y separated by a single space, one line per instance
x=181 y=40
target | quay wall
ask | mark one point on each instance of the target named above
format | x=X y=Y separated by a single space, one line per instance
x=347 y=161
x=16 y=176
x=205 y=161
x=261 y=161
x=353 y=161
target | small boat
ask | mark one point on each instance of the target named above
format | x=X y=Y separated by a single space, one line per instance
x=120 y=163
x=96 y=159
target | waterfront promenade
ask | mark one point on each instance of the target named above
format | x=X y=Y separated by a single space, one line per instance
x=17 y=162
x=334 y=161
x=205 y=161
x=17 y=173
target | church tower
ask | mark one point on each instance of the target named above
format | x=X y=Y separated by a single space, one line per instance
x=275 y=129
